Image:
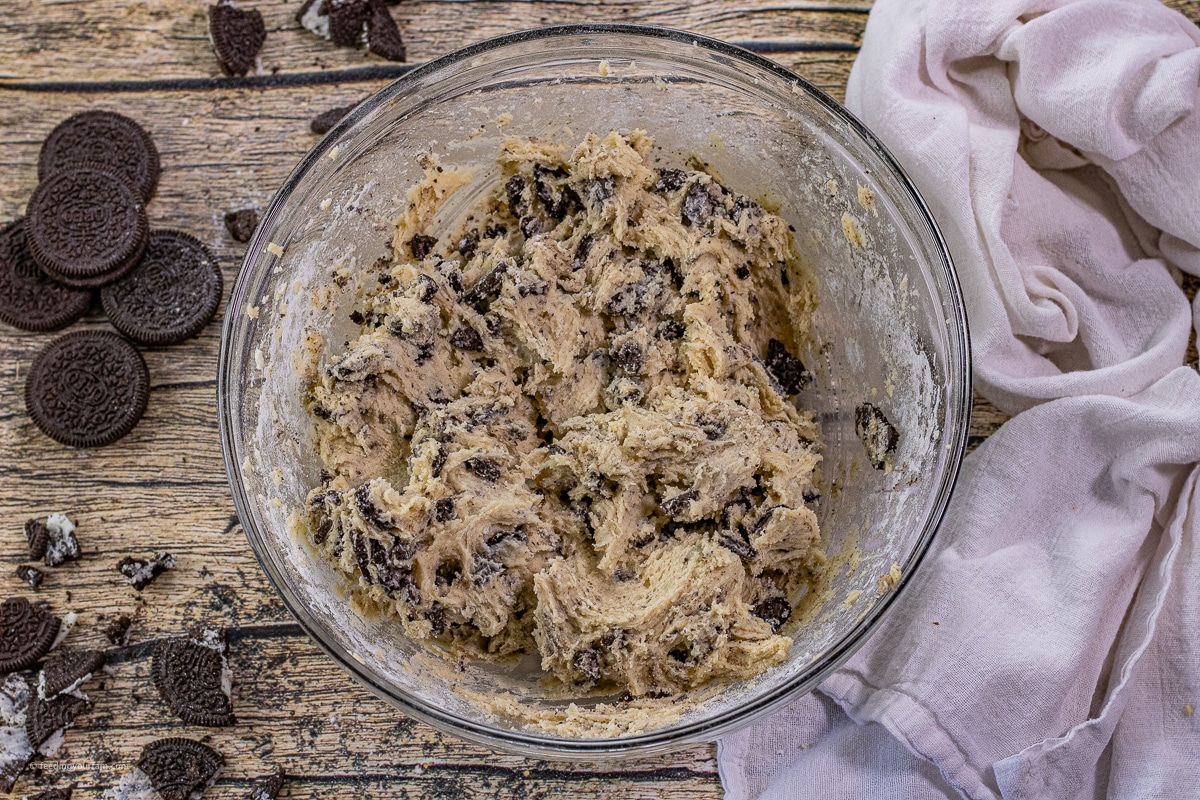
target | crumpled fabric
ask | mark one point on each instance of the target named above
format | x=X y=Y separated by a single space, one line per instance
x=1049 y=646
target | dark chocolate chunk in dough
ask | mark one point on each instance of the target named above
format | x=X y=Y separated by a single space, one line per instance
x=877 y=433
x=177 y=767
x=670 y=180
x=588 y=663
x=87 y=388
x=467 y=338
x=443 y=509
x=787 y=369
x=674 y=505
x=237 y=35
x=627 y=356
x=775 y=610
x=485 y=468
x=422 y=244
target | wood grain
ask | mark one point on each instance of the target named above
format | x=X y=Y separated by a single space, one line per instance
x=226 y=145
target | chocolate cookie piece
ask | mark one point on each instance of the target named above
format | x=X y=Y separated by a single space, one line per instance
x=86 y=225
x=236 y=35
x=104 y=139
x=190 y=676
x=87 y=389
x=117 y=630
x=347 y=20
x=383 y=37
x=27 y=632
x=323 y=123
x=63 y=793
x=64 y=671
x=15 y=751
x=61 y=544
x=177 y=767
x=878 y=435
x=47 y=717
x=140 y=573
x=170 y=295
x=31 y=575
x=268 y=788
x=241 y=224
x=29 y=298
x=37 y=535
x=787 y=369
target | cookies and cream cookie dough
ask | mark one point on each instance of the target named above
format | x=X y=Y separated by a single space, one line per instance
x=570 y=427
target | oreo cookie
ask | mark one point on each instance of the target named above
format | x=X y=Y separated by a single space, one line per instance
x=170 y=295
x=29 y=298
x=15 y=751
x=87 y=389
x=383 y=37
x=66 y=670
x=37 y=537
x=236 y=35
x=86 y=226
x=192 y=676
x=177 y=767
x=47 y=717
x=104 y=139
x=27 y=632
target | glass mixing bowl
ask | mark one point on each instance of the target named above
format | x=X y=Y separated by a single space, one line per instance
x=889 y=329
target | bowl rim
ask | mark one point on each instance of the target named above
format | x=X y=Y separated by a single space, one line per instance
x=523 y=742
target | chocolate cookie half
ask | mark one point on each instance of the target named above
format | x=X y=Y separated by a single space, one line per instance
x=177 y=767
x=105 y=139
x=237 y=35
x=87 y=389
x=170 y=295
x=27 y=632
x=86 y=226
x=29 y=298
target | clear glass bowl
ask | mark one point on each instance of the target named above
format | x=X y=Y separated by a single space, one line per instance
x=890 y=329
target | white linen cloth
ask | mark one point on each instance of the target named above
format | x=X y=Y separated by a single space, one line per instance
x=1050 y=645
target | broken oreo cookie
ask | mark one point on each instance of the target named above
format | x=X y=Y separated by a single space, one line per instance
x=31 y=575
x=236 y=35
x=140 y=573
x=170 y=295
x=383 y=37
x=179 y=767
x=104 y=139
x=268 y=788
x=241 y=224
x=27 y=632
x=86 y=226
x=61 y=544
x=65 y=671
x=192 y=676
x=87 y=389
x=323 y=123
x=29 y=298
x=47 y=717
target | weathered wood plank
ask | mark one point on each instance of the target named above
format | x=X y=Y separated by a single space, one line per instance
x=100 y=41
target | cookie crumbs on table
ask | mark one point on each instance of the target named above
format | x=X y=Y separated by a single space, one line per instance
x=241 y=223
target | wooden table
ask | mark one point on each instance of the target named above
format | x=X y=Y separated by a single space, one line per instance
x=226 y=144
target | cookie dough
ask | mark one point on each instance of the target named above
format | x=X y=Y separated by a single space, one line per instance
x=570 y=427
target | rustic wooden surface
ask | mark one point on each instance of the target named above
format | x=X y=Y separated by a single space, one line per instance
x=226 y=144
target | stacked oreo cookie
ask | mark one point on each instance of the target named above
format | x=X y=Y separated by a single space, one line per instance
x=86 y=232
